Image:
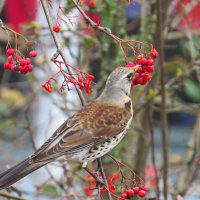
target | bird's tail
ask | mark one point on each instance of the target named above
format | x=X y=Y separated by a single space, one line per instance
x=17 y=172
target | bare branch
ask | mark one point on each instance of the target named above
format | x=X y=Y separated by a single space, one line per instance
x=163 y=112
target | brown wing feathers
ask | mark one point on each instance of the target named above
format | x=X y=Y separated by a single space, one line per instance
x=90 y=124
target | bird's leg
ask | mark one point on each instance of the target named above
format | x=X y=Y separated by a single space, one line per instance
x=95 y=176
x=98 y=165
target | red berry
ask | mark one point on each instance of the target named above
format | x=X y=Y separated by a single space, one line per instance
x=89 y=90
x=112 y=188
x=146 y=77
x=71 y=79
x=139 y=70
x=81 y=86
x=80 y=78
x=24 y=71
x=88 y=191
x=133 y=83
x=143 y=61
x=129 y=192
x=141 y=193
x=136 y=190
x=139 y=79
x=91 y=3
x=28 y=61
x=56 y=28
x=115 y=176
x=7 y=66
x=87 y=83
x=12 y=67
x=21 y=68
x=150 y=61
x=143 y=187
x=90 y=77
x=150 y=68
x=47 y=87
x=153 y=53
x=23 y=62
x=30 y=68
x=124 y=195
x=10 y=52
x=144 y=69
x=33 y=53
x=103 y=190
x=18 y=58
x=10 y=59
x=130 y=64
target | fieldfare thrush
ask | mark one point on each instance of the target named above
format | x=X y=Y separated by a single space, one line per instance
x=89 y=134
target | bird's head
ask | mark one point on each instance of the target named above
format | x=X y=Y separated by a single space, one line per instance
x=118 y=85
x=121 y=78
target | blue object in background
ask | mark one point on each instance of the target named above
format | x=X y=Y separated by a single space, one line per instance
x=133 y=11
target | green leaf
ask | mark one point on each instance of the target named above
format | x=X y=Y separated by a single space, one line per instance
x=51 y=190
x=192 y=90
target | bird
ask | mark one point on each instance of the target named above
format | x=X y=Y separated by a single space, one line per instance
x=87 y=135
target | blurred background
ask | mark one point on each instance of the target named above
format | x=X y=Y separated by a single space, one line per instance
x=29 y=115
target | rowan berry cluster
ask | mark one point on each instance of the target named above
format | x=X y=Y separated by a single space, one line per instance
x=19 y=63
x=128 y=193
x=82 y=80
x=146 y=67
x=47 y=86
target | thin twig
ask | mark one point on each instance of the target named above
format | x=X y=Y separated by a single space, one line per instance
x=59 y=47
x=164 y=126
x=108 y=32
x=100 y=166
x=150 y=117
x=97 y=179
x=9 y=196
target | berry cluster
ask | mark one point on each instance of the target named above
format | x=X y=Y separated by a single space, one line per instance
x=146 y=67
x=83 y=81
x=47 y=86
x=19 y=63
x=112 y=187
x=128 y=193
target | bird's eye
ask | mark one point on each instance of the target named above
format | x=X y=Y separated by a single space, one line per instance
x=130 y=76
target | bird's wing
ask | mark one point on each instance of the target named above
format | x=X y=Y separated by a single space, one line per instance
x=92 y=124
